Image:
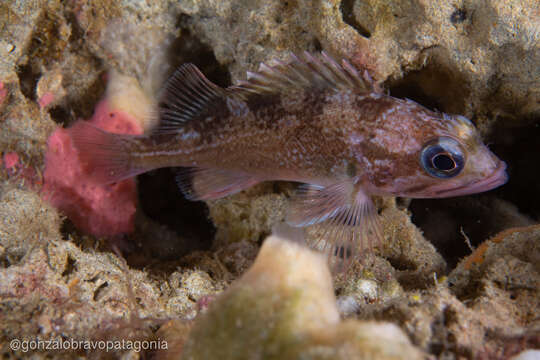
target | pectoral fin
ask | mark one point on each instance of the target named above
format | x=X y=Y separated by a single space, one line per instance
x=313 y=204
x=342 y=217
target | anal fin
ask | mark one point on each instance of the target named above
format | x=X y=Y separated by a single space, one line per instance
x=212 y=183
x=342 y=220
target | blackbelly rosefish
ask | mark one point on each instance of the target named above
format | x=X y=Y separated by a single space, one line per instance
x=314 y=121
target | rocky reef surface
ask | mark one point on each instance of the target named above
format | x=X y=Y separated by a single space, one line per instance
x=454 y=278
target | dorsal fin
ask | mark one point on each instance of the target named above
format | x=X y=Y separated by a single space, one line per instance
x=305 y=72
x=188 y=94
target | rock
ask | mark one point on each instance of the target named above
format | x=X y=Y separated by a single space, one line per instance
x=26 y=222
x=284 y=307
x=466 y=44
x=501 y=280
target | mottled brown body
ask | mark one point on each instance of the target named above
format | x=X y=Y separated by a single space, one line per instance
x=268 y=138
x=313 y=121
x=320 y=138
x=273 y=140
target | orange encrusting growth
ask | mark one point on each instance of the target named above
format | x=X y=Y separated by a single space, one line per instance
x=477 y=256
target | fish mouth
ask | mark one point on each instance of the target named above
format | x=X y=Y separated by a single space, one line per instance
x=497 y=178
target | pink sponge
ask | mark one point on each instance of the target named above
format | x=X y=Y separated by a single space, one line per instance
x=103 y=210
x=16 y=169
x=11 y=160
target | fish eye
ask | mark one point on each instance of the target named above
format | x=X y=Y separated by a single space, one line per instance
x=442 y=157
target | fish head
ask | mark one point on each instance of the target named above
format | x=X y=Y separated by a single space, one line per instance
x=430 y=155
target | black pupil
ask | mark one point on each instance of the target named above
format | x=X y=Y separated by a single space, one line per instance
x=442 y=158
x=443 y=162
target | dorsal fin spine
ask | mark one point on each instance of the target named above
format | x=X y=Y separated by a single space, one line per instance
x=344 y=76
x=186 y=95
x=304 y=72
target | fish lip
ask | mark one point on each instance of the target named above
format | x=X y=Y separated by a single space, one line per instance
x=497 y=178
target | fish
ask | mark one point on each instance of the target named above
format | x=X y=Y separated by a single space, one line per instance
x=313 y=120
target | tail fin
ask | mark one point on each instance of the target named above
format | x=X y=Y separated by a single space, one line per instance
x=105 y=156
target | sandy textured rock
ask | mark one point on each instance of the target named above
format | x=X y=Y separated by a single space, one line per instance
x=249 y=215
x=26 y=222
x=502 y=279
x=284 y=307
x=488 y=51
x=491 y=298
x=59 y=289
x=415 y=258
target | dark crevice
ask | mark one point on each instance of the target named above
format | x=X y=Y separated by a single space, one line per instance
x=518 y=147
x=189 y=49
x=402 y=264
x=458 y=16
x=28 y=79
x=346 y=7
x=68 y=228
x=317 y=46
x=413 y=91
x=450 y=223
x=161 y=200
x=70 y=266
x=61 y=115
x=99 y=291
x=434 y=86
